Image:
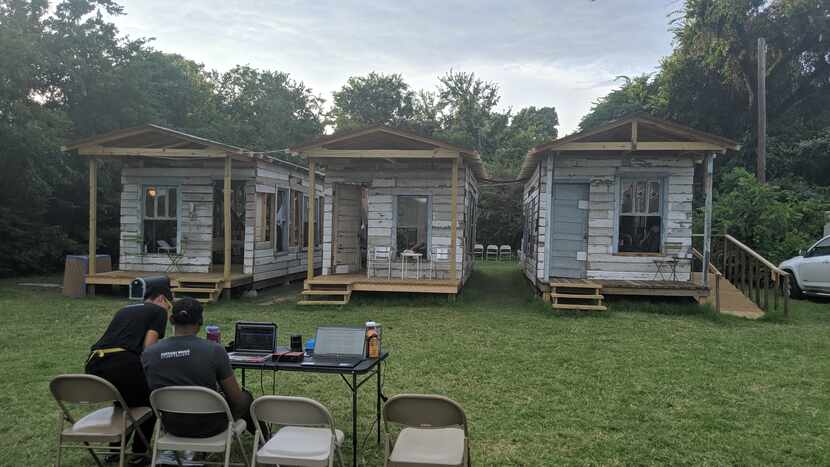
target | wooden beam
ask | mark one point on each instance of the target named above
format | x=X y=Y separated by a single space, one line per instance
x=99 y=151
x=382 y=153
x=312 y=194
x=707 y=217
x=677 y=146
x=454 y=220
x=93 y=214
x=226 y=191
x=634 y=131
x=598 y=146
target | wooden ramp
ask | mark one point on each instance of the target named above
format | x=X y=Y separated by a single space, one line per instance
x=576 y=294
x=733 y=301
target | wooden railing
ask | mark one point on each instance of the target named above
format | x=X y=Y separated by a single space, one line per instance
x=713 y=270
x=758 y=279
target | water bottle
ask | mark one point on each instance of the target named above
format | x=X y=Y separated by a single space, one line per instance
x=213 y=333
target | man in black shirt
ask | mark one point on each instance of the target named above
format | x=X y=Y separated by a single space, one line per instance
x=185 y=359
x=116 y=355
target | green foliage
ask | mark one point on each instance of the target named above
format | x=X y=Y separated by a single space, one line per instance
x=375 y=99
x=776 y=220
x=638 y=94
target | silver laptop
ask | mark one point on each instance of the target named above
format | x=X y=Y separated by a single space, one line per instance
x=338 y=346
x=253 y=342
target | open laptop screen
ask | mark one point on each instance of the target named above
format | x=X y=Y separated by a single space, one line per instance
x=334 y=340
x=255 y=337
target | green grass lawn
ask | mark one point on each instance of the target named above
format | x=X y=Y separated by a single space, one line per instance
x=643 y=383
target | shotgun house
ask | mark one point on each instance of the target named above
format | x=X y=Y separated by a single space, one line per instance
x=609 y=211
x=400 y=214
x=211 y=216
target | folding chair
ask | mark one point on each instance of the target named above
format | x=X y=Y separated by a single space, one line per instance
x=382 y=254
x=194 y=400
x=434 y=432
x=307 y=436
x=492 y=250
x=439 y=255
x=112 y=424
x=505 y=252
x=478 y=251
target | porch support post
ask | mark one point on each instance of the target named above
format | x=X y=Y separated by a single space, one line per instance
x=93 y=215
x=707 y=218
x=226 y=192
x=312 y=194
x=454 y=220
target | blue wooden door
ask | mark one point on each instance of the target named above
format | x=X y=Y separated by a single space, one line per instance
x=569 y=235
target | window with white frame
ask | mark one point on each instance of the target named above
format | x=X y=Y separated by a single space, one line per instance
x=160 y=219
x=640 y=227
x=264 y=217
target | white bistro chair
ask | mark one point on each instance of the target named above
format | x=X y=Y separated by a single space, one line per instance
x=505 y=252
x=439 y=256
x=95 y=430
x=306 y=437
x=492 y=252
x=478 y=251
x=194 y=400
x=381 y=255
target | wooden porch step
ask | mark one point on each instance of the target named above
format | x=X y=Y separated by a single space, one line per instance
x=326 y=292
x=569 y=306
x=344 y=301
x=577 y=296
x=575 y=285
x=195 y=289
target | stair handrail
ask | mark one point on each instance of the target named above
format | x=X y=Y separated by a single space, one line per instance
x=773 y=268
x=712 y=267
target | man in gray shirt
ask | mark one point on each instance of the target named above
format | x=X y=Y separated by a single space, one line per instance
x=188 y=360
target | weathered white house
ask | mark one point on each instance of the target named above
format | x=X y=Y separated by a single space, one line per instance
x=400 y=213
x=609 y=211
x=210 y=215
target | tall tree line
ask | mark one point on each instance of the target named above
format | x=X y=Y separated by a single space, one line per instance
x=66 y=73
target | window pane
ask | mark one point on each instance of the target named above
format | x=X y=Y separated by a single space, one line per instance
x=149 y=203
x=171 y=203
x=159 y=235
x=654 y=197
x=627 y=197
x=640 y=197
x=639 y=234
x=413 y=223
x=282 y=219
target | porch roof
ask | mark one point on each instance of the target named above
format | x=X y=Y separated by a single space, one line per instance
x=387 y=143
x=156 y=141
x=634 y=133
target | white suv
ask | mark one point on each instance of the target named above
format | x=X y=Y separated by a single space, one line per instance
x=811 y=271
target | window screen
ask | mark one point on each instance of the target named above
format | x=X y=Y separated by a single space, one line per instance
x=641 y=221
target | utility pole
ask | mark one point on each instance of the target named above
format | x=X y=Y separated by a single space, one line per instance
x=761 y=165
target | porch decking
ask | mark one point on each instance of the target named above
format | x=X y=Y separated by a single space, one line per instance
x=656 y=288
x=205 y=287
x=336 y=289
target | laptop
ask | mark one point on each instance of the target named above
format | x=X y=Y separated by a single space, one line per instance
x=253 y=342
x=338 y=347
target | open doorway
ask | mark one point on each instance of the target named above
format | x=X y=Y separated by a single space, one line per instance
x=349 y=228
x=237 y=224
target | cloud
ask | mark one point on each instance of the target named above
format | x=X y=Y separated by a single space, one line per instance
x=564 y=53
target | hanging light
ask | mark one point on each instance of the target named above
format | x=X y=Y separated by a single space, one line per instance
x=151 y=192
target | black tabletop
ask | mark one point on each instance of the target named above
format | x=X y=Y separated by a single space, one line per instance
x=365 y=366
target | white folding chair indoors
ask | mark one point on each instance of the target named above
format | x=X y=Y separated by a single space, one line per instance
x=95 y=430
x=194 y=400
x=306 y=436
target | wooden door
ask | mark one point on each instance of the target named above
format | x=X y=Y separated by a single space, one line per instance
x=569 y=234
x=348 y=217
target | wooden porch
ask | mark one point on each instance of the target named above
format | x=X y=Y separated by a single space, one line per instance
x=589 y=294
x=336 y=289
x=205 y=287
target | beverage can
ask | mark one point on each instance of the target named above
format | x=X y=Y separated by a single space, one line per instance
x=213 y=333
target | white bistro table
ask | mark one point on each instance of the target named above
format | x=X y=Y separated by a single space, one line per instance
x=405 y=257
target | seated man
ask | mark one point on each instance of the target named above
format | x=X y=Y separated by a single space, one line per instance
x=188 y=360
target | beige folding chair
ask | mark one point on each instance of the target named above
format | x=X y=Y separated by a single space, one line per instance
x=478 y=251
x=505 y=252
x=307 y=436
x=95 y=430
x=434 y=432
x=492 y=250
x=194 y=400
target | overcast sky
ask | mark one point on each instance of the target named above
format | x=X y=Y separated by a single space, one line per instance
x=562 y=53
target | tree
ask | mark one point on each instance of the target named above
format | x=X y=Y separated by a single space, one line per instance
x=374 y=99
x=638 y=94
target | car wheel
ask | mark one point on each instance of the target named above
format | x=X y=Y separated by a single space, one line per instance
x=795 y=290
